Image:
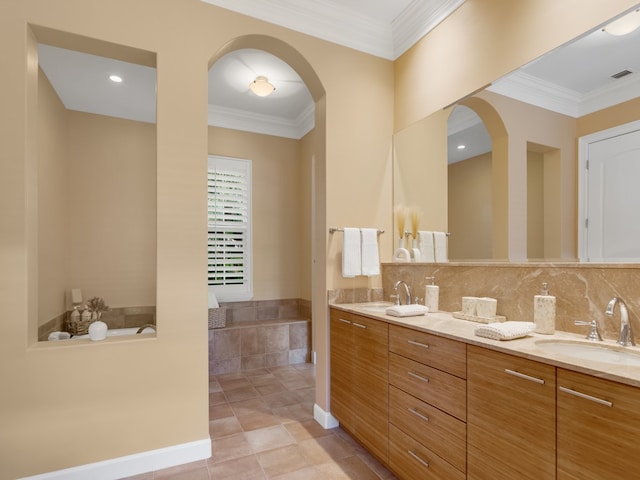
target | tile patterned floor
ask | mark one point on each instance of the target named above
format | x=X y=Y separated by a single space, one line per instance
x=262 y=427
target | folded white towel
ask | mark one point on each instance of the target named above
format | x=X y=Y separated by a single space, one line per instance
x=505 y=330
x=414 y=310
x=213 y=301
x=370 y=256
x=351 y=253
x=440 y=247
x=425 y=245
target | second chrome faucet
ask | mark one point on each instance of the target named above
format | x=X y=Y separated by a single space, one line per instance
x=626 y=332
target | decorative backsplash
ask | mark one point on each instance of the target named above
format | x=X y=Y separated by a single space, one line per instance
x=582 y=290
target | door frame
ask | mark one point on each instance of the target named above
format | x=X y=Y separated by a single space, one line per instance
x=583 y=176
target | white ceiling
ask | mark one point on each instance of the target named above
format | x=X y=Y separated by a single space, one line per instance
x=572 y=80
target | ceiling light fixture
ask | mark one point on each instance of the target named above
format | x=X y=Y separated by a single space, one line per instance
x=624 y=25
x=461 y=147
x=115 y=78
x=261 y=86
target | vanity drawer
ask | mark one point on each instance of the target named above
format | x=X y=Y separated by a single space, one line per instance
x=445 y=435
x=437 y=352
x=444 y=391
x=411 y=460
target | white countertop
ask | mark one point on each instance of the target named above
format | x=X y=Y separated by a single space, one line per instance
x=443 y=324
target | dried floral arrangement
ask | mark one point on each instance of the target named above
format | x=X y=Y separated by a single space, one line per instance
x=96 y=304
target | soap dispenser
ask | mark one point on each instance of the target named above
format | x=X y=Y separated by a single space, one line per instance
x=544 y=311
x=431 y=294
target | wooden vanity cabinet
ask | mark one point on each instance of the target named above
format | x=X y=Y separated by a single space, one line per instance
x=359 y=379
x=511 y=417
x=427 y=405
x=598 y=428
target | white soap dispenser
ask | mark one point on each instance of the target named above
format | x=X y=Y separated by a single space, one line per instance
x=544 y=311
x=431 y=294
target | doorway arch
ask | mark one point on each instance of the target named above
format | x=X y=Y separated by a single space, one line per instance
x=317 y=157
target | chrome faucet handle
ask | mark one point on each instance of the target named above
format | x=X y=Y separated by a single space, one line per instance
x=594 y=333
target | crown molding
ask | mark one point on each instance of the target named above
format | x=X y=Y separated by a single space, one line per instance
x=418 y=19
x=236 y=119
x=529 y=89
x=462 y=120
x=331 y=21
x=323 y=19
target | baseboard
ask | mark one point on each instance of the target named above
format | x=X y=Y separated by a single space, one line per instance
x=324 y=418
x=133 y=464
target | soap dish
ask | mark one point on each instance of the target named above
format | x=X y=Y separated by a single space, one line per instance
x=475 y=318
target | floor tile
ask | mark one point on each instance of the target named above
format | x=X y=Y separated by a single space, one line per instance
x=262 y=428
x=269 y=438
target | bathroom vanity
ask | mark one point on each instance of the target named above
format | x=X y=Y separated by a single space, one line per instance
x=431 y=400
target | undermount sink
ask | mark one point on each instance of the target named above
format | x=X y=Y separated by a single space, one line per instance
x=596 y=352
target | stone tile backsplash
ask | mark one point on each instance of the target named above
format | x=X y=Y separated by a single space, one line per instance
x=582 y=290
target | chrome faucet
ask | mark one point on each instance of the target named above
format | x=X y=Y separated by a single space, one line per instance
x=407 y=292
x=626 y=333
x=147 y=325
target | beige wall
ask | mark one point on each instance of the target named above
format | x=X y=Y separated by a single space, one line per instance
x=53 y=185
x=73 y=423
x=482 y=41
x=620 y=114
x=281 y=213
x=470 y=219
x=68 y=422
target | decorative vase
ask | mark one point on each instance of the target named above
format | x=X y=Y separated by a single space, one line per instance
x=98 y=330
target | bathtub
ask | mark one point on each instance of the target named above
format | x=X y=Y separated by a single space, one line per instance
x=116 y=332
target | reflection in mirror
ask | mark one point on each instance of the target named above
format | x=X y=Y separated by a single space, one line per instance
x=585 y=87
x=469 y=186
x=96 y=181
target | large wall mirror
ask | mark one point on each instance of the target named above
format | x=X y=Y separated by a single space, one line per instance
x=96 y=179
x=500 y=170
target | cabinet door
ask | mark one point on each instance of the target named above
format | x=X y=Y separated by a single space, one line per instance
x=598 y=428
x=341 y=376
x=371 y=384
x=511 y=417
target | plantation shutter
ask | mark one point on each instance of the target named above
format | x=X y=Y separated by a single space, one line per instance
x=229 y=228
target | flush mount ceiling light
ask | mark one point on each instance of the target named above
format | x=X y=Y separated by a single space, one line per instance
x=261 y=87
x=624 y=25
x=115 y=78
x=461 y=147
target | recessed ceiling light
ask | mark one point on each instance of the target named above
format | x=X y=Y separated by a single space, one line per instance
x=461 y=147
x=115 y=78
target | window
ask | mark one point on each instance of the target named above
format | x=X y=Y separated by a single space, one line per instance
x=229 y=269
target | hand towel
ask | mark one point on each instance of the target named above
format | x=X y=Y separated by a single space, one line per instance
x=440 y=247
x=505 y=330
x=351 y=253
x=213 y=301
x=425 y=245
x=370 y=256
x=414 y=310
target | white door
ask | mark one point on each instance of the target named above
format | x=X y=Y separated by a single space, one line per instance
x=612 y=201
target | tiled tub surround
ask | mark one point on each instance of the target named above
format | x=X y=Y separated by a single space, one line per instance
x=120 y=317
x=261 y=334
x=249 y=345
x=582 y=290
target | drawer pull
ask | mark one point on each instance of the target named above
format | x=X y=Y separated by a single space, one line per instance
x=418 y=414
x=418 y=344
x=419 y=377
x=523 y=376
x=606 y=403
x=359 y=325
x=415 y=455
x=345 y=321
